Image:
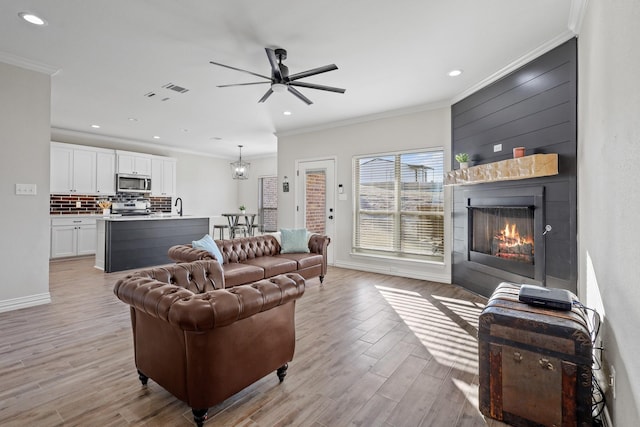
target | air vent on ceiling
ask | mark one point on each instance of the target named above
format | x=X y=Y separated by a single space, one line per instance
x=176 y=88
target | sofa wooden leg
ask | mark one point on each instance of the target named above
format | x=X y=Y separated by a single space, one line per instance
x=143 y=378
x=282 y=371
x=321 y=279
x=199 y=416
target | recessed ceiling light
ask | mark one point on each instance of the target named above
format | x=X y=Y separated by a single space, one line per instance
x=156 y=137
x=287 y=113
x=455 y=73
x=32 y=19
x=132 y=119
x=95 y=126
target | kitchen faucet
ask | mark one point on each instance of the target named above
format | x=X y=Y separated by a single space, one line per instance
x=176 y=204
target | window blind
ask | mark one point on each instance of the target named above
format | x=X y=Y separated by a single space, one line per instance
x=400 y=204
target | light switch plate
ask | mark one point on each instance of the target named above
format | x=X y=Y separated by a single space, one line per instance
x=497 y=147
x=26 y=189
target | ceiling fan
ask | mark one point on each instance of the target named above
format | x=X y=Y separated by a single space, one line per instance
x=280 y=79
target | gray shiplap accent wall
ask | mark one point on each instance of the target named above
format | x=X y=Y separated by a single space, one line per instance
x=534 y=107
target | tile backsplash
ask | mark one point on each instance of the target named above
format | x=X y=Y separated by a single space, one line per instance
x=66 y=204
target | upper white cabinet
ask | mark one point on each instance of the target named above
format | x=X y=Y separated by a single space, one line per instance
x=106 y=172
x=61 y=169
x=134 y=163
x=163 y=176
x=77 y=169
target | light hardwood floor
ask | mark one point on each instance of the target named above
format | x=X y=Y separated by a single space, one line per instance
x=372 y=350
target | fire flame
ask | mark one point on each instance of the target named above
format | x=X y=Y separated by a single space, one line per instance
x=511 y=234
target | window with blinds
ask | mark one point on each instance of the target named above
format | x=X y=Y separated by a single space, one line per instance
x=399 y=208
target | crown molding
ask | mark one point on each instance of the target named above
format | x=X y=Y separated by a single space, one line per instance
x=59 y=134
x=366 y=118
x=29 y=64
x=576 y=15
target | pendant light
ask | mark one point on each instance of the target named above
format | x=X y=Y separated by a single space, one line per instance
x=240 y=169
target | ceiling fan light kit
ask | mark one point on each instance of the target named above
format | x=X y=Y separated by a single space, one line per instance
x=280 y=79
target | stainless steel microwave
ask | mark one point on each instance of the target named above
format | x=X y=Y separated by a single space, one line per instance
x=126 y=183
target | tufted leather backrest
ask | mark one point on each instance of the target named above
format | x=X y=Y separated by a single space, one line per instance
x=197 y=277
x=150 y=291
x=243 y=248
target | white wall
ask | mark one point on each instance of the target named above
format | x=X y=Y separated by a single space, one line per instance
x=24 y=135
x=417 y=130
x=608 y=194
x=248 y=189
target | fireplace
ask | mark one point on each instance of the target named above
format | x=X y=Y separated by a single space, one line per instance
x=505 y=231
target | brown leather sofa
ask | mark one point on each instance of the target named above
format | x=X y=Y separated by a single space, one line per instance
x=202 y=342
x=247 y=259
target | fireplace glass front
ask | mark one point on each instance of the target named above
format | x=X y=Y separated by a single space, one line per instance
x=504 y=233
x=503 y=237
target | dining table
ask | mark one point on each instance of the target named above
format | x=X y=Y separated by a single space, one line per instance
x=234 y=223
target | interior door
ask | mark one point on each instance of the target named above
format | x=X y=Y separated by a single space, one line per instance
x=315 y=199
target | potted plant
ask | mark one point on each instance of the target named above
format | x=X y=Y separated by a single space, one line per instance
x=242 y=209
x=463 y=159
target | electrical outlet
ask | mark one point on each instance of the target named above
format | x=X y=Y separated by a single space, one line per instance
x=78 y=204
x=612 y=381
x=497 y=148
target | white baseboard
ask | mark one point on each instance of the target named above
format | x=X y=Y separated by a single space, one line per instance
x=395 y=271
x=24 y=302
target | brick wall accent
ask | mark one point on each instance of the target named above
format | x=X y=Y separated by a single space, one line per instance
x=65 y=204
x=316 y=201
x=269 y=203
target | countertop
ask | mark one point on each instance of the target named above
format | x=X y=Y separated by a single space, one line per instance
x=117 y=217
x=152 y=217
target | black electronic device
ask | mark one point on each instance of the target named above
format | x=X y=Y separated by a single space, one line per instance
x=559 y=299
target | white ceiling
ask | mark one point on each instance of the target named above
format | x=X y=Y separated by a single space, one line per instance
x=391 y=55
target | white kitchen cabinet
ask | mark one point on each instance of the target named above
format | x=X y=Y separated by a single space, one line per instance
x=106 y=173
x=163 y=176
x=72 y=169
x=134 y=163
x=73 y=236
x=84 y=171
x=61 y=172
x=77 y=169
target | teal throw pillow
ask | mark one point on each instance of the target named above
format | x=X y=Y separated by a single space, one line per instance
x=294 y=240
x=208 y=245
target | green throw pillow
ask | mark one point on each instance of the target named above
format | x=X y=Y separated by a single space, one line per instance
x=294 y=240
x=209 y=245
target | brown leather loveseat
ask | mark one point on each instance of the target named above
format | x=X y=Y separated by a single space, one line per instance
x=202 y=342
x=247 y=259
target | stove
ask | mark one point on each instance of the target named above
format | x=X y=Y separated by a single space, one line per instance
x=138 y=207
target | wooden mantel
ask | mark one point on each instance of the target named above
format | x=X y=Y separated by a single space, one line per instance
x=533 y=166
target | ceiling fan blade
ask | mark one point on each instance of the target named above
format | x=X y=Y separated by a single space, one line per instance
x=319 y=87
x=266 y=95
x=303 y=98
x=275 y=68
x=243 y=84
x=313 y=72
x=240 y=69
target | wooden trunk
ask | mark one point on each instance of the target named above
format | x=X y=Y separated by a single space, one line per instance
x=535 y=363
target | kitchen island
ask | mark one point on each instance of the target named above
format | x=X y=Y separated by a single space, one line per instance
x=126 y=242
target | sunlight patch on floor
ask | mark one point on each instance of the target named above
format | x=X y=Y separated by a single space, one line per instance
x=443 y=325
